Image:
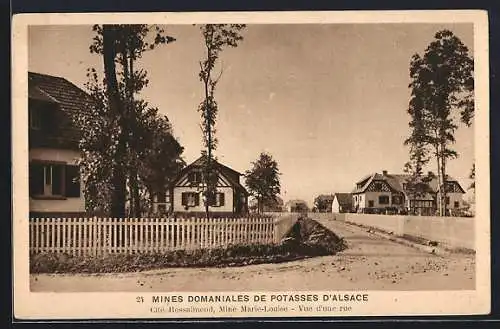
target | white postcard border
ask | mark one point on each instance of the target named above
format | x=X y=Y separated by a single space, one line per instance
x=28 y=305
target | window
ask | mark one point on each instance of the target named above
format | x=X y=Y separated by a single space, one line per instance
x=397 y=199
x=190 y=199
x=383 y=199
x=194 y=177
x=54 y=180
x=456 y=204
x=35 y=119
x=378 y=186
x=447 y=200
x=355 y=198
x=219 y=202
x=370 y=204
x=404 y=186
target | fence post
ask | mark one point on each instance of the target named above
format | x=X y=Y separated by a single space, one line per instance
x=36 y=223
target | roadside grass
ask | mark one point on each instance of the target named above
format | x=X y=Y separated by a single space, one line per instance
x=307 y=238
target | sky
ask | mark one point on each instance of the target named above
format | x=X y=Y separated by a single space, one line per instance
x=327 y=101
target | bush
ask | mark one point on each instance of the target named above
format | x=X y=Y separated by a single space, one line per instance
x=307 y=238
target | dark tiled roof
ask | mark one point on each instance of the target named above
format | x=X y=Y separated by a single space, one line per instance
x=344 y=199
x=396 y=181
x=69 y=98
x=35 y=93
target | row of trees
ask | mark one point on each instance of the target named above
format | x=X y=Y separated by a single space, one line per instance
x=442 y=97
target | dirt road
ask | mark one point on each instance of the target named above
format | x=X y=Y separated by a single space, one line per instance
x=370 y=263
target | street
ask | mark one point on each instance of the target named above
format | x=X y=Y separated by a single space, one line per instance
x=369 y=263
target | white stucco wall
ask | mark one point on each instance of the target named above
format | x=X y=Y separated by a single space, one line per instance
x=335 y=206
x=228 y=200
x=65 y=205
x=373 y=196
x=455 y=197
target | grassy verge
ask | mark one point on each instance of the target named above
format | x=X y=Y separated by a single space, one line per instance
x=307 y=238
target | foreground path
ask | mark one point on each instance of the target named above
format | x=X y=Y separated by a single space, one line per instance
x=370 y=263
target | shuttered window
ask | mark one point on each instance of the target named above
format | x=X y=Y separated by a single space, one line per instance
x=383 y=199
x=194 y=177
x=36 y=179
x=57 y=179
x=54 y=180
x=190 y=199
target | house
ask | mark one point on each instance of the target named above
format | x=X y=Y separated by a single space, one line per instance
x=185 y=193
x=296 y=206
x=54 y=176
x=342 y=202
x=386 y=192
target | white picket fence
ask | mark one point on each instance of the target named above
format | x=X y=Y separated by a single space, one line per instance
x=98 y=236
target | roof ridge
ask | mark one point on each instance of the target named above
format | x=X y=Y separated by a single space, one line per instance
x=46 y=75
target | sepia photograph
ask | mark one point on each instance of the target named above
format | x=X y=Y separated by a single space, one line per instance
x=245 y=166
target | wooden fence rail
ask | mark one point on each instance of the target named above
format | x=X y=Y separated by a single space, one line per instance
x=98 y=236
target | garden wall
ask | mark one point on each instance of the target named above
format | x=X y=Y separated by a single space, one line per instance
x=456 y=232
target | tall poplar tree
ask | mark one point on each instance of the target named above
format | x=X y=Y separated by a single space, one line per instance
x=216 y=37
x=442 y=84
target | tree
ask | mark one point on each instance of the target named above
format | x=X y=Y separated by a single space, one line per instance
x=323 y=203
x=442 y=83
x=416 y=184
x=216 y=37
x=273 y=205
x=263 y=180
x=159 y=152
x=115 y=126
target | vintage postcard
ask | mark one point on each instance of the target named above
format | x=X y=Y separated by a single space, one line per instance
x=243 y=165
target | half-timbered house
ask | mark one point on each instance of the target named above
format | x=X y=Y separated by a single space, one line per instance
x=186 y=191
x=390 y=193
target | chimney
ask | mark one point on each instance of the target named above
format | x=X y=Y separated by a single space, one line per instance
x=384 y=172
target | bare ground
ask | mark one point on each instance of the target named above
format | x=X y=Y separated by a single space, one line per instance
x=369 y=263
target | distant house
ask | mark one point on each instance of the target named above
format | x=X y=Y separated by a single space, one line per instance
x=390 y=192
x=296 y=206
x=54 y=176
x=186 y=191
x=342 y=202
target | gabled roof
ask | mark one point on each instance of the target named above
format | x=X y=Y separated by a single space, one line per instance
x=396 y=181
x=59 y=90
x=365 y=182
x=344 y=199
x=35 y=93
x=65 y=96
x=228 y=173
